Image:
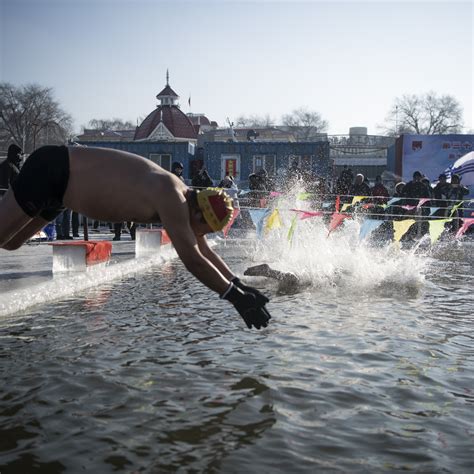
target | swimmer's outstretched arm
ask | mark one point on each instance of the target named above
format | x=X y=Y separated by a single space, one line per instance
x=214 y=258
x=213 y=272
x=174 y=212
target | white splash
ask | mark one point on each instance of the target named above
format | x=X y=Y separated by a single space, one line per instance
x=339 y=259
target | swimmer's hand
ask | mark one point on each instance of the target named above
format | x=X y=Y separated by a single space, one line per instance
x=261 y=298
x=253 y=313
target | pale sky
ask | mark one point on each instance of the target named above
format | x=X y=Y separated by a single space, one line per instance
x=346 y=60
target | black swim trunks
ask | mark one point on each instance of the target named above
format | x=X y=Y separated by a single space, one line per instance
x=39 y=188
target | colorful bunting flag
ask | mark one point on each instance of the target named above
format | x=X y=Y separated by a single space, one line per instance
x=357 y=199
x=368 y=226
x=455 y=208
x=303 y=196
x=258 y=216
x=226 y=229
x=421 y=202
x=307 y=214
x=292 y=228
x=336 y=221
x=436 y=228
x=400 y=228
x=467 y=222
x=273 y=221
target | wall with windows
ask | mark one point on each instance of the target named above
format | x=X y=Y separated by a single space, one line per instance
x=244 y=159
x=238 y=159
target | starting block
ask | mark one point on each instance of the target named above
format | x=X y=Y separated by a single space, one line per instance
x=150 y=241
x=77 y=255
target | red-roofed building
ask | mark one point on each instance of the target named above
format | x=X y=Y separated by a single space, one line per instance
x=167 y=121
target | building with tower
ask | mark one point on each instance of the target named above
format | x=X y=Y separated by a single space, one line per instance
x=167 y=135
x=167 y=121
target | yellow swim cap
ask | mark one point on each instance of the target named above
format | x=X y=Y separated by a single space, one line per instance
x=216 y=207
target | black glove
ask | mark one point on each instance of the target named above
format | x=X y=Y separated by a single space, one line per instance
x=261 y=298
x=252 y=312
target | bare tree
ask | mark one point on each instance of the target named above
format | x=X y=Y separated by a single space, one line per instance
x=425 y=114
x=31 y=117
x=254 y=121
x=305 y=124
x=111 y=124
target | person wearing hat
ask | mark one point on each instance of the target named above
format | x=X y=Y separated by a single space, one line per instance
x=455 y=196
x=360 y=186
x=415 y=189
x=14 y=162
x=440 y=193
x=116 y=186
x=177 y=169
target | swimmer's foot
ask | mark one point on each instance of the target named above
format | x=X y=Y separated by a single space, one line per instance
x=258 y=270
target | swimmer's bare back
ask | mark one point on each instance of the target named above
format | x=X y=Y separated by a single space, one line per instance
x=115 y=186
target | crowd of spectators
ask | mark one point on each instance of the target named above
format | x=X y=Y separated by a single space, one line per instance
x=418 y=198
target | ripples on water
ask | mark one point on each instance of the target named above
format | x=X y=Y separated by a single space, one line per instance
x=368 y=369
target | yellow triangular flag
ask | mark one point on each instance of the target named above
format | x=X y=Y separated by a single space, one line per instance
x=455 y=208
x=345 y=206
x=436 y=229
x=400 y=228
x=273 y=221
x=303 y=196
x=356 y=199
x=292 y=228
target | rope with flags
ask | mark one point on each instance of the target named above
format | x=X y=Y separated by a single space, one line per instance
x=268 y=215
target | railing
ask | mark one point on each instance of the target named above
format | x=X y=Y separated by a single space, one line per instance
x=328 y=203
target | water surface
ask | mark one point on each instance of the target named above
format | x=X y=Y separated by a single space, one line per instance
x=368 y=369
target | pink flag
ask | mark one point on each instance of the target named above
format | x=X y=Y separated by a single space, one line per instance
x=307 y=214
x=336 y=221
x=467 y=222
x=226 y=229
x=422 y=201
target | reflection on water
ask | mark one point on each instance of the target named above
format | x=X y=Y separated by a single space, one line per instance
x=367 y=369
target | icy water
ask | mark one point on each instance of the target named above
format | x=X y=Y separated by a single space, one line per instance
x=369 y=368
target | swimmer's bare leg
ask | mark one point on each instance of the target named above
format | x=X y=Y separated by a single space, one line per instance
x=34 y=226
x=12 y=219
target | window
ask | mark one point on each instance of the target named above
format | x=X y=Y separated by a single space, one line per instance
x=266 y=162
x=162 y=160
